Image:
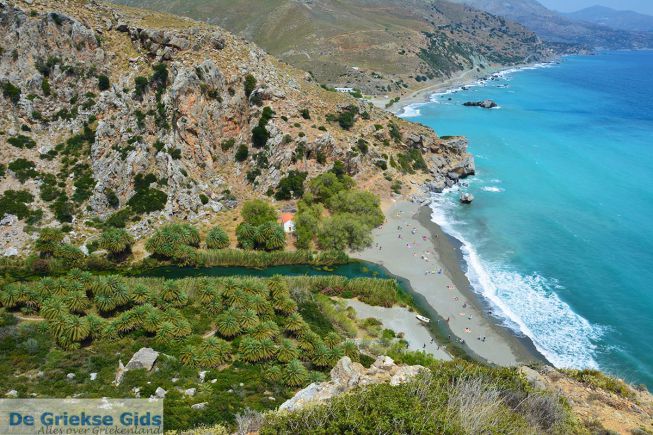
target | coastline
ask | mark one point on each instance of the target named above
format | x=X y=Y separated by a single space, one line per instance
x=430 y=261
x=466 y=77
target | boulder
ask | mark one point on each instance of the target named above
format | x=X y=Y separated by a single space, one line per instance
x=466 y=198
x=535 y=379
x=143 y=359
x=485 y=104
x=347 y=375
x=199 y=406
x=160 y=393
x=190 y=392
x=12 y=393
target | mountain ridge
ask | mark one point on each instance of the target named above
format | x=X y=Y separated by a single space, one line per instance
x=380 y=46
x=617 y=19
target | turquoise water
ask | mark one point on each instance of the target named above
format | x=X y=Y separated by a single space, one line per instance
x=559 y=239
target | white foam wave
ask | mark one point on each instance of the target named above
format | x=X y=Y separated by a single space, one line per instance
x=526 y=303
x=492 y=189
x=411 y=111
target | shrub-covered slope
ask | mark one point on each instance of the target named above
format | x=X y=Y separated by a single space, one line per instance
x=134 y=116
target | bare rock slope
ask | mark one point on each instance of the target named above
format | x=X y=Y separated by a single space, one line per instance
x=104 y=107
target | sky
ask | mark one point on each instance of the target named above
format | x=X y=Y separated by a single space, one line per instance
x=641 y=6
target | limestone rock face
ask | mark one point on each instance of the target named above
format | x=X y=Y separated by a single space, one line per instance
x=347 y=375
x=144 y=358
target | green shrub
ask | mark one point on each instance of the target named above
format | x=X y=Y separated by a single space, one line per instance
x=227 y=144
x=45 y=87
x=257 y=211
x=204 y=199
x=242 y=153
x=15 y=202
x=291 y=186
x=148 y=200
x=22 y=141
x=119 y=219
x=11 y=92
x=217 y=238
x=24 y=169
x=103 y=83
x=159 y=78
x=140 y=86
x=112 y=198
x=250 y=84
x=305 y=114
x=344 y=231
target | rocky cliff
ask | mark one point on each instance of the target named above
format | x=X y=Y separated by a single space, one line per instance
x=106 y=107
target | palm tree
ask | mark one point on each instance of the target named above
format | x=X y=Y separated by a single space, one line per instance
x=287 y=351
x=104 y=303
x=285 y=305
x=214 y=352
x=268 y=348
x=335 y=353
x=248 y=319
x=152 y=320
x=48 y=241
x=295 y=322
x=250 y=349
x=332 y=339
x=140 y=294
x=228 y=324
x=187 y=356
x=119 y=290
x=117 y=242
x=351 y=350
x=10 y=296
x=96 y=325
x=321 y=356
x=278 y=286
x=205 y=294
x=295 y=374
x=77 y=301
x=84 y=278
x=76 y=328
x=124 y=322
x=165 y=335
x=238 y=299
x=267 y=329
x=274 y=374
x=214 y=306
x=217 y=238
x=172 y=294
x=53 y=309
x=260 y=305
x=59 y=287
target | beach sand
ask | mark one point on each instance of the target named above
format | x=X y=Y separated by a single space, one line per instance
x=427 y=259
x=401 y=320
x=423 y=95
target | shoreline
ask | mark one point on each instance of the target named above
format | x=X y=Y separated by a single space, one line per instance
x=466 y=77
x=441 y=287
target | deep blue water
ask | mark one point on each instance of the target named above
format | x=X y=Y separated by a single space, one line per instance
x=560 y=238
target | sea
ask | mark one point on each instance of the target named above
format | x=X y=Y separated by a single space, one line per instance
x=559 y=238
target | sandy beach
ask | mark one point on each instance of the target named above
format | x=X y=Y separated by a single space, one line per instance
x=401 y=320
x=410 y=246
x=423 y=95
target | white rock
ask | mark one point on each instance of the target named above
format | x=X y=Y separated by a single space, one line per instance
x=174 y=380
x=203 y=375
x=190 y=392
x=160 y=393
x=143 y=359
x=12 y=251
x=93 y=376
x=70 y=375
x=12 y=393
x=213 y=381
x=199 y=406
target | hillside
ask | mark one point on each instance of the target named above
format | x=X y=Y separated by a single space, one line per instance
x=380 y=46
x=555 y=27
x=623 y=20
x=124 y=117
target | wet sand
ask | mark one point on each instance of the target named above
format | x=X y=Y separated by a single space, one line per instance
x=427 y=259
x=401 y=320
